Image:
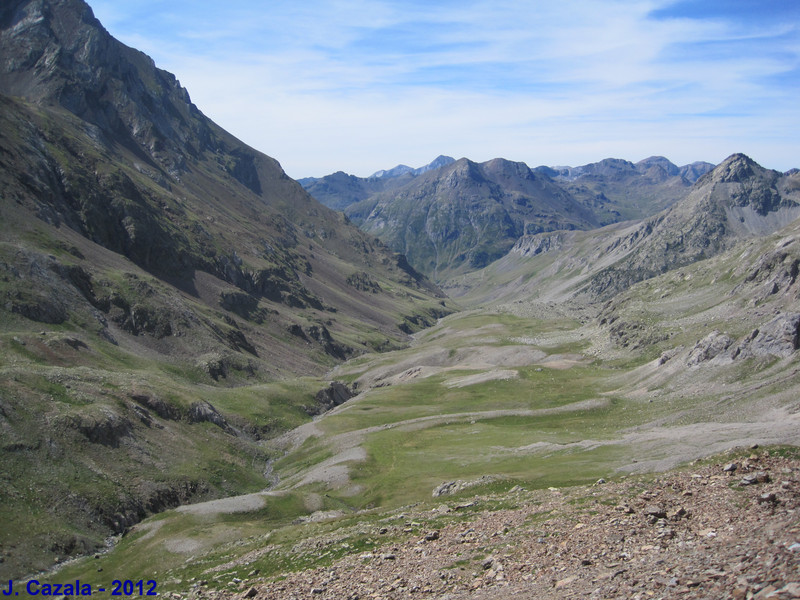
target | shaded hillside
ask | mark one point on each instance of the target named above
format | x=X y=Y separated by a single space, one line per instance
x=159 y=282
x=465 y=215
x=339 y=190
x=99 y=142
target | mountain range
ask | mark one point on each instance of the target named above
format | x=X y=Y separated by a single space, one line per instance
x=451 y=216
x=294 y=367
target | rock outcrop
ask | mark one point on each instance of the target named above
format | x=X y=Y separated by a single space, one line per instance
x=330 y=397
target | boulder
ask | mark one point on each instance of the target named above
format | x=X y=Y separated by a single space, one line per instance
x=779 y=337
x=711 y=346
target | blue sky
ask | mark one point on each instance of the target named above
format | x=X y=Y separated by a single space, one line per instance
x=362 y=85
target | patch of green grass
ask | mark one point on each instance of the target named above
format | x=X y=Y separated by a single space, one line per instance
x=272 y=408
x=536 y=388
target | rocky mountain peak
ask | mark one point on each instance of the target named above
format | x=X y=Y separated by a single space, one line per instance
x=736 y=168
x=657 y=168
x=737 y=200
x=437 y=163
x=611 y=168
x=400 y=170
x=463 y=168
x=397 y=171
x=507 y=168
x=55 y=52
x=694 y=171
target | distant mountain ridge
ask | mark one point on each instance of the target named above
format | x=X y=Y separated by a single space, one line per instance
x=736 y=205
x=339 y=190
x=396 y=205
x=619 y=190
x=436 y=163
x=738 y=199
x=654 y=168
x=464 y=215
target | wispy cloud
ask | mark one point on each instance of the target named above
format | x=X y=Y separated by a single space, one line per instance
x=361 y=85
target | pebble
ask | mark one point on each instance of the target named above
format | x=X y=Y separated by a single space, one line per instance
x=655 y=510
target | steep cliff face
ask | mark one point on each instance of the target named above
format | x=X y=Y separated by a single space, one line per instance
x=57 y=53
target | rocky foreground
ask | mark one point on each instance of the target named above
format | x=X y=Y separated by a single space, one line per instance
x=725 y=530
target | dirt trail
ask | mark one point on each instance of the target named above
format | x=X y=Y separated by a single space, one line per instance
x=232 y=504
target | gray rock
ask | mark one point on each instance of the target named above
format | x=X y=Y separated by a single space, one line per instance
x=332 y=396
x=748 y=480
x=754 y=478
x=101 y=426
x=779 y=337
x=711 y=346
x=453 y=487
x=202 y=412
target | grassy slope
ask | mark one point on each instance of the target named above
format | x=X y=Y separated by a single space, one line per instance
x=84 y=331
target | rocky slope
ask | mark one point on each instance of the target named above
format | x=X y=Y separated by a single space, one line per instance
x=725 y=529
x=99 y=142
x=739 y=199
x=723 y=209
